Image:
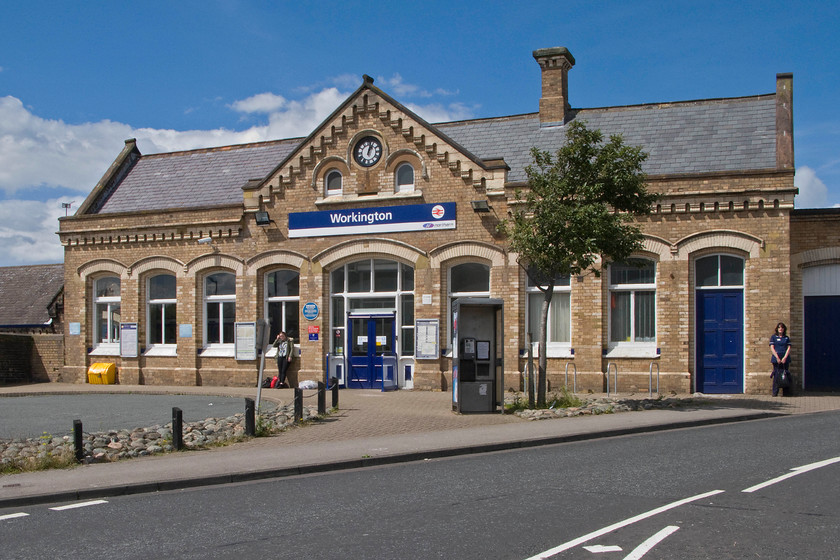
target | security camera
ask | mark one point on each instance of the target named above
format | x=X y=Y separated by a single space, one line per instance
x=205 y=240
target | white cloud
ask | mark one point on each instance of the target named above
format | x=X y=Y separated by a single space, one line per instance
x=27 y=232
x=812 y=191
x=260 y=103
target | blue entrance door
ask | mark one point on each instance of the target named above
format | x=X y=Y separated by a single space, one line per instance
x=720 y=341
x=371 y=338
x=822 y=353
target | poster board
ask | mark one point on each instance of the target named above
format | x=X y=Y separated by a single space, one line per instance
x=426 y=339
x=128 y=340
x=245 y=341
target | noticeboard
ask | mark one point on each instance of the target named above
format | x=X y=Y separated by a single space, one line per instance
x=128 y=340
x=426 y=339
x=246 y=341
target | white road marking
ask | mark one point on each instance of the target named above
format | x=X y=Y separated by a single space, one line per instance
x=646 y=546
x=597 y=548
x=795 y=471
x=12 y=516
x=588 y=537
x=79 y=505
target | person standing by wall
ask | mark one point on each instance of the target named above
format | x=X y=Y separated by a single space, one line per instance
x=285 y=350
x=780 y=348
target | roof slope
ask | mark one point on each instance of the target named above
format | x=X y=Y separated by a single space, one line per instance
x=686 y=137
x=714 y=135
x=26 y=293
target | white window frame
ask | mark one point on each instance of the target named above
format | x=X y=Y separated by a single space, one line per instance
x=282 y=300
x=110 y=346
x=161 y=348
x=553 y=349
x=333 y=192
x=217 y=349
x=633 y=348
x=406 y=187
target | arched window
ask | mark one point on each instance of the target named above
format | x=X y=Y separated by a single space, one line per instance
x=160 y=313
x=282 y=302
x=632 y=303
x=719 y=271
x=559 y=326
x=373 y=284
x=333 y=183
x=404 y=178
x=219 y=310
x=107 y=316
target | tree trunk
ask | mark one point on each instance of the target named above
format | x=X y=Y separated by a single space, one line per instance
x=541 y=388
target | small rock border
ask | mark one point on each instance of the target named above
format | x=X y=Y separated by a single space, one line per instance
x=114 y=445
x=606 y=405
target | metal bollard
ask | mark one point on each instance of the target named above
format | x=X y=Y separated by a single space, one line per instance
x=77 y=440
x=250 y=417
x=322 y=398
x=334 y=383
x=177 y=428
x=298 y=405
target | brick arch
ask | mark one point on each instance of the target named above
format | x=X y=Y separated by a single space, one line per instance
x=329 y=163
x=103 y=265
x=718 y=239
x=269 y=258
x=657 y=246
x=157 y=263
x=214 y=261
x=467 y=249
x=406 y=155
x=814 y=257
x=359 y=248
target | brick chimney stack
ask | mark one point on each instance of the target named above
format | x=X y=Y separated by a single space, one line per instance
x=784 y=121
x=555 y=64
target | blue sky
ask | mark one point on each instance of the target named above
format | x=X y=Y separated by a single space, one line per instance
x=77 y=79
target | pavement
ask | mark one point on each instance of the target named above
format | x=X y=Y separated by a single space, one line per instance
x=369 y=428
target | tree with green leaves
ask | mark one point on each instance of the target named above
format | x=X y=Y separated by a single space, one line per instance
x=578 y=208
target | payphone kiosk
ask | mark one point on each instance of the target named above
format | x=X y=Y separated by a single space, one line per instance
x=477 y=350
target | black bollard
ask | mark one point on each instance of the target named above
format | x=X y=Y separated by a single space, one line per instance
x=334 y=383
x=177 y=428
x=298 y=405
x=77 y=440
x=250 y=418
x=322 y=398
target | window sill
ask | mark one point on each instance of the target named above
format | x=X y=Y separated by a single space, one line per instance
x=106 y=350
x=345 y=198
x=632 y=352
x=218 y=352
x=160 y=350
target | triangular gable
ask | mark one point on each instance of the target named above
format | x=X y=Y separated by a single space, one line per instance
x=370 y=110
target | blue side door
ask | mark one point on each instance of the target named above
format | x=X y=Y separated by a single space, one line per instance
x=720 y=341
x=822 y=353
x=370 y=338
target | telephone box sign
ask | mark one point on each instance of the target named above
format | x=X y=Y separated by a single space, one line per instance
x=413 y=217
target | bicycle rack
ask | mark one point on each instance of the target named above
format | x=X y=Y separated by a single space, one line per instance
x=574 y=390
x=650 y=379
x=613 y=365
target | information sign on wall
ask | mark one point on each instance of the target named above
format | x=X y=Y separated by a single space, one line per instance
x=412 y=217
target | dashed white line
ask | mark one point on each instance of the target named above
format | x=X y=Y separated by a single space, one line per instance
x=79 y=505
x=649 y=543
x=12 y=516
x=588 y=537
x=796 y=471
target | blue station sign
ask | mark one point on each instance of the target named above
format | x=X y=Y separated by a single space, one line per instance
x=413 y=217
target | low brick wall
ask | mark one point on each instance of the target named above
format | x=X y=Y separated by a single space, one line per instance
x=31 y=357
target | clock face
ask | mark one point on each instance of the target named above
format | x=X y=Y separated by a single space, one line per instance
x=368 y=151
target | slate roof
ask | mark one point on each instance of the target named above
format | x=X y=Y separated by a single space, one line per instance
x=196 y=178
x=26 y=293
x=681 y=137
x=686 y=137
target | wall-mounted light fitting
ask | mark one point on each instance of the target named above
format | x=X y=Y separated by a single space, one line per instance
x=262 y=218
x=480 y=206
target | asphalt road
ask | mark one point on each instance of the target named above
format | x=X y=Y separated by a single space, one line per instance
x=680 y=493
x=31 y=416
